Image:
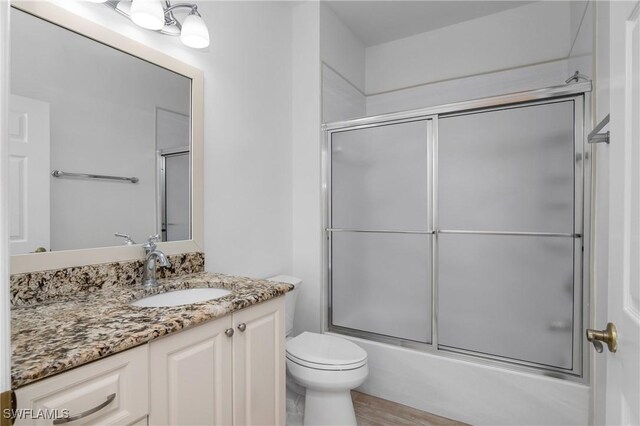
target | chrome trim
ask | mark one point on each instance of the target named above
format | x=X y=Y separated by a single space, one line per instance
x=459 y=354
x=523 y=234
x=87 y=413
x=595 y=136
x=513 y=361
x=60 y=174
x=379 y=231
x=511 y=98
x=175 y=150
x=328 y=240
x=577 y=76
x=434 y=240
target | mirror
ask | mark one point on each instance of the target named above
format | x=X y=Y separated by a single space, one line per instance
x=100 y=143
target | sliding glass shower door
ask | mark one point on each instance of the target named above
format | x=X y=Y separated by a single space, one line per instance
x=382 y=230
x=462 y=231
x=506 y=233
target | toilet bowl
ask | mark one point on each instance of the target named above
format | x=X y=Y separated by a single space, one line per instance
x=321 y=370
x=328 y=367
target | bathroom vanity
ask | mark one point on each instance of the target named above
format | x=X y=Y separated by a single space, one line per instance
x=214 y=362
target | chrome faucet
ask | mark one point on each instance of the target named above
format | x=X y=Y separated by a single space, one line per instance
x=152 y=255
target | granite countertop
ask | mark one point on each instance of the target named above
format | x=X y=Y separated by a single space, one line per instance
x=54 y=336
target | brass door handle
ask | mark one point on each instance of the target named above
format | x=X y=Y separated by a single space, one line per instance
x=608 y=336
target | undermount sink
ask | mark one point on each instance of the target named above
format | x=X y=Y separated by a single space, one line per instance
x=181 y=297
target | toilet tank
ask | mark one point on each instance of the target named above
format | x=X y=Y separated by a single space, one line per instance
x=290 y=299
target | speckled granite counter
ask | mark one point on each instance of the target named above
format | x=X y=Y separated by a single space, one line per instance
x=54 y=336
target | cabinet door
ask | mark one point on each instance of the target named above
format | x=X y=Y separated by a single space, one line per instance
x=111 y=391
x=190 y=380
x=259 y=364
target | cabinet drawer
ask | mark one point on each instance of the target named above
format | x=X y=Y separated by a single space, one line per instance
x=111 y=391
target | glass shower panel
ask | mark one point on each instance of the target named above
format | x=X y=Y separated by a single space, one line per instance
x=510 y=296
x=508 y=170
x=380 y=177
x=381 y=283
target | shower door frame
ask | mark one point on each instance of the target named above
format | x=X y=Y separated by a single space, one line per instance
x=580 y=94
x=161 y=189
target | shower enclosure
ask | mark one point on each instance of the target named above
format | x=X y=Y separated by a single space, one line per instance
x=464 y=229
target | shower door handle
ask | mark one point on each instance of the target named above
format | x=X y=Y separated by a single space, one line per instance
x=608 y=336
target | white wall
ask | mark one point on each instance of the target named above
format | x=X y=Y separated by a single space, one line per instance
x=247 y=132
x=307 y=221
x=341 y=100
x=530 y=34
x=103 y=121
x=474 y=87
x=582 y=36
x=492 y=55
x=341 y=49
x=343 y=70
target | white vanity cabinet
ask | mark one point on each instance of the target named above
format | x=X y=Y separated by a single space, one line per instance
x=227 y=371
x=110 y=391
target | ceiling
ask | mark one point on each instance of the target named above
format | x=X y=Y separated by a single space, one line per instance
x=376 y=22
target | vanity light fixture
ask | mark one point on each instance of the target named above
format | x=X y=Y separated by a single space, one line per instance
x=158 y=15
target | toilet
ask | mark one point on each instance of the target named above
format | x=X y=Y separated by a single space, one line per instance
x=324 y=367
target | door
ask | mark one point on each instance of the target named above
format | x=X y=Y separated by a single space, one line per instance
x=623 y=367
x=175 y=176
x=190 y=380
x=28 y=175
x=174 y=184
x=259 y=365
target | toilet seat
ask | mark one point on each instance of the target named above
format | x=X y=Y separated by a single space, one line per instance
x=325 y=352
x=327 y=367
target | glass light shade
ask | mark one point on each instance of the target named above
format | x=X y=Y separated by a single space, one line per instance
x=148 y=14
x=124 y=7
x=194 y=32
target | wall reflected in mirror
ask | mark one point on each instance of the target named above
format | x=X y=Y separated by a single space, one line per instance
x=80 y=107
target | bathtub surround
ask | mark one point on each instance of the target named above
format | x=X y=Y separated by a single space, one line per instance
x=54 y=285
x=52 y=337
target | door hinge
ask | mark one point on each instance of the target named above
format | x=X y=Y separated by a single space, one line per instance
x=8 y=404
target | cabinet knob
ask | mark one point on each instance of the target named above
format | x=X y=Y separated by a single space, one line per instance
x=242 y=327
x=229 y=332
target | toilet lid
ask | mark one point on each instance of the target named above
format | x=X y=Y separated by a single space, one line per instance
x=322 y=350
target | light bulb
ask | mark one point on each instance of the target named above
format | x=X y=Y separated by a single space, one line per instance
x=194 y=32
x=148 y=14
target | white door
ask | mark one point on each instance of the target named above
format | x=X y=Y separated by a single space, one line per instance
x=28 y=175
x=623 y=367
